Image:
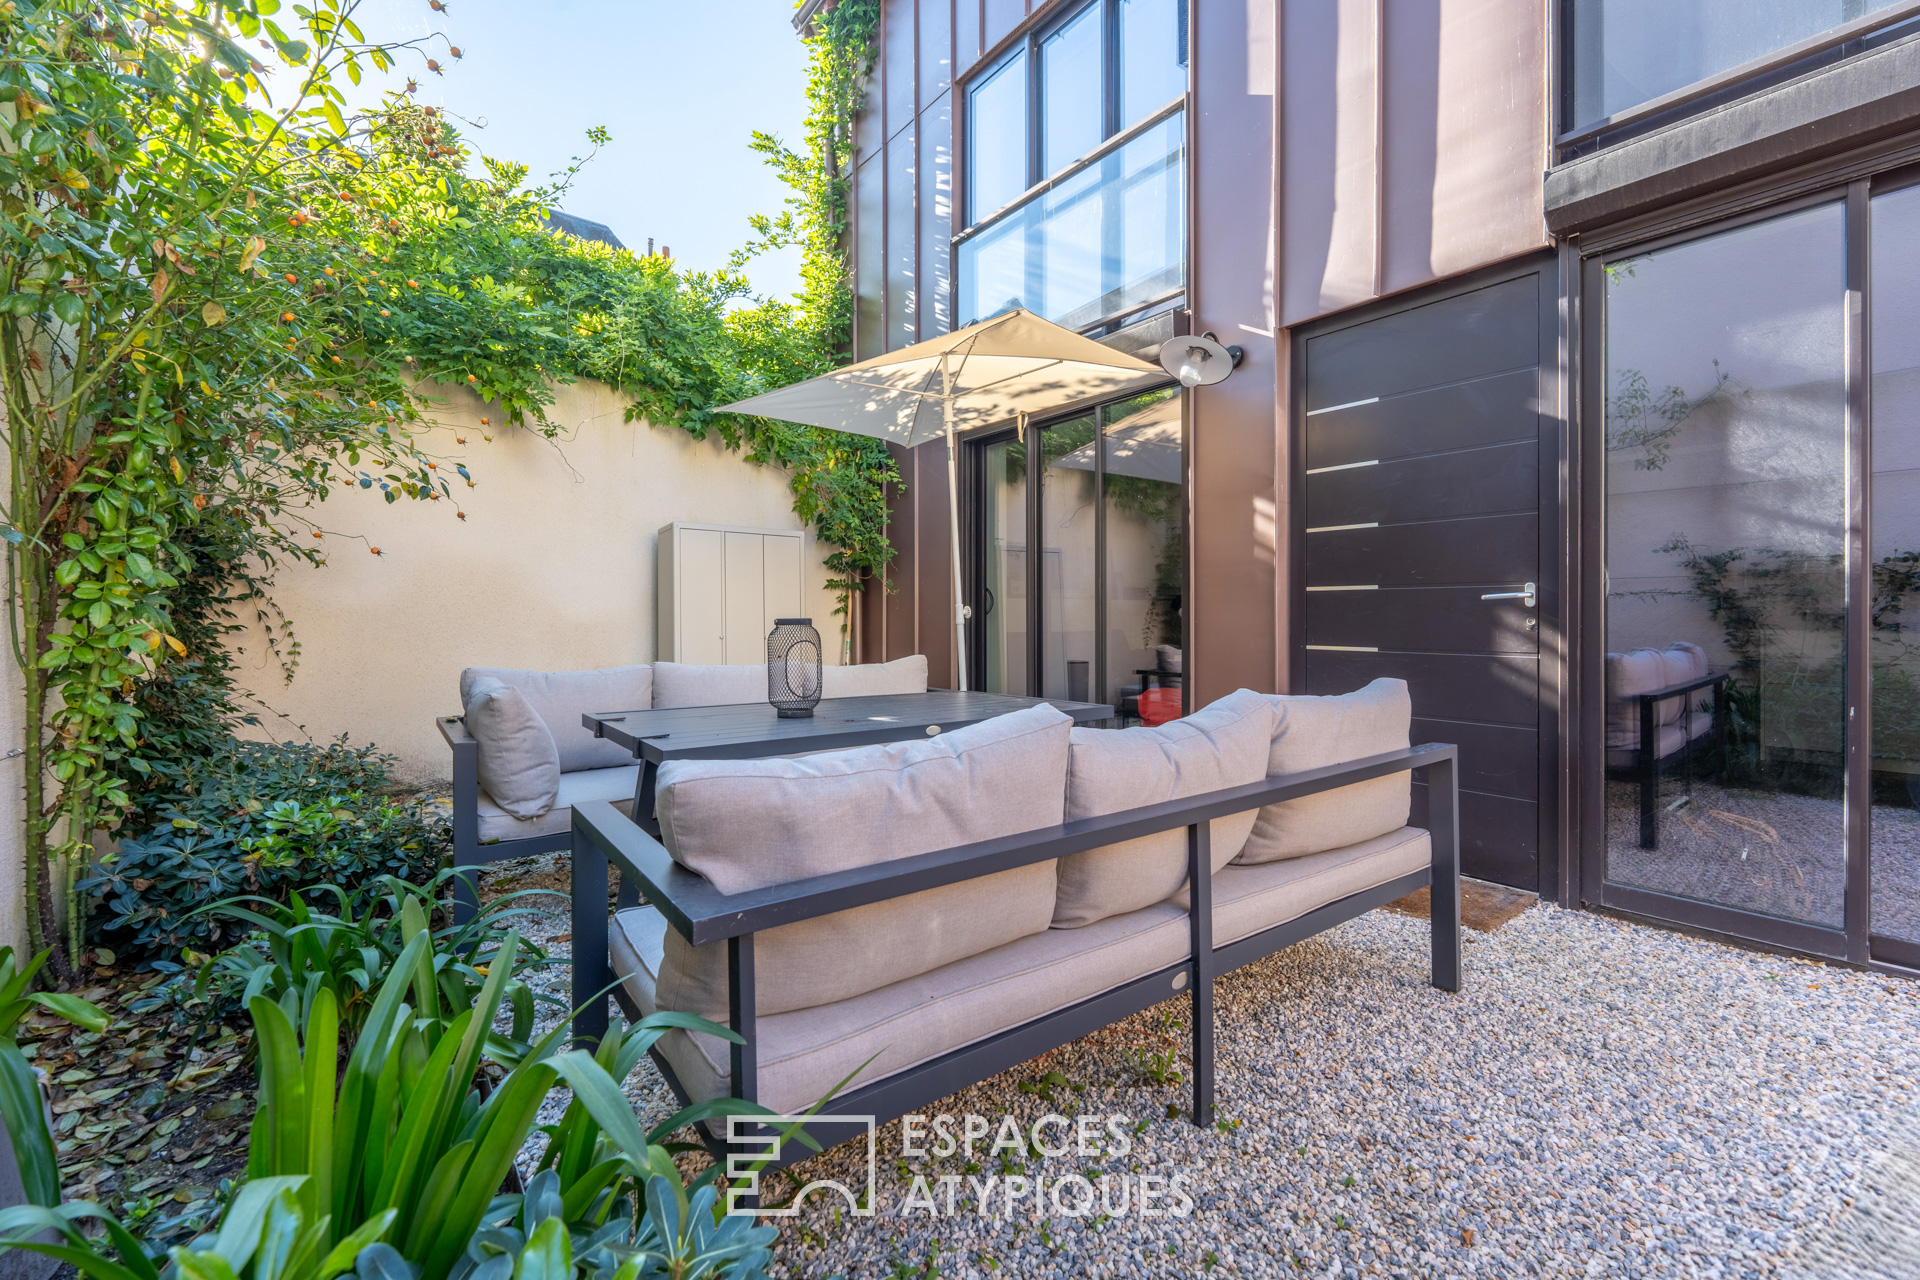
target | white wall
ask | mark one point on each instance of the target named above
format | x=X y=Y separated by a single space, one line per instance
x=13 y=806
x=552 y=569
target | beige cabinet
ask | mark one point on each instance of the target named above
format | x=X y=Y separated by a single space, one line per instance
x=721 y=587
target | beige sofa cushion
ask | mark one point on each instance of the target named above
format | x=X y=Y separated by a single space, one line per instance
x=869 y=679
x=1642 y=671
x=804 y=1054
x=519 y=766
x=616 y=785
x=687 y=684
x=1311 y=733
x=745 y=824
x=1224 y=745
x=560 y=698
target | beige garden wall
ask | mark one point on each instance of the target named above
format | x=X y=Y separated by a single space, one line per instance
x=13 y=801
x=553 y=568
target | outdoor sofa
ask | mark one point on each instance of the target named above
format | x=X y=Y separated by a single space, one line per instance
x=522 y=760
x=921 y=915
x=1652 y=719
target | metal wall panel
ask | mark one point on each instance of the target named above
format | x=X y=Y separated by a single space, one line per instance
x=902 y=257
x=899 y=40
x=869 y=257
x=936 y=217
x=935 y=70
x=966 y=35
x=998 y=17
x=1328 y=153
x=1466 y=135
x=932 y=564
x=1235 y=506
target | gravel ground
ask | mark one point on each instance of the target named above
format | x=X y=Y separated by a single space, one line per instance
x=1601 y=1099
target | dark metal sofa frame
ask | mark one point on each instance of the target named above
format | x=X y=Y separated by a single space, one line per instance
x=702 y=914
x=468 y=851
x=1645 y=768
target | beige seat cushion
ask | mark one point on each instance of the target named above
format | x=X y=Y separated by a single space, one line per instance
x=1223 y=745
x=805 y=1053
x=1670 y=737
x=560 y=698
x=1311 y=733
x=1247 y=899
x=518 y=763
x=616 y=785
x=745 y=824
x=870 y=679
x=1641 y=671
x=687 y=684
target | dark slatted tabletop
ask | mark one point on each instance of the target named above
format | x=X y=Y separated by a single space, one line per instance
x=751 y=729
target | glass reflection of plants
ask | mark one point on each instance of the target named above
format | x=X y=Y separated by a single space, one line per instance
x=1154 y=503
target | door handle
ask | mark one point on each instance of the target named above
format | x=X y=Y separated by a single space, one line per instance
x=1525 y=595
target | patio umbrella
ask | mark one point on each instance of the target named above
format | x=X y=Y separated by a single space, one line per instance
x=989 y=372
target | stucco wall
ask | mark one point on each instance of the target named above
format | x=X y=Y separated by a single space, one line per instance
x=553 y=568
x=13 y=809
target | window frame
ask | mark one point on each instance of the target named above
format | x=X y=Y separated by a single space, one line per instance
x=1752 y=76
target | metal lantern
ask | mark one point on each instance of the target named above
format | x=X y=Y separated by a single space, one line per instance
x=793 y=667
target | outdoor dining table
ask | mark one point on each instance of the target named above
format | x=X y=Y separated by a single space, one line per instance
x=744 y=731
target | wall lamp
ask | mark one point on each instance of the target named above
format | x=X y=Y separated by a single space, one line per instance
x=1199 y=361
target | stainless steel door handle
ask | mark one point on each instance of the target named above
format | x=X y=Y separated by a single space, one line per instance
x=1525 y=595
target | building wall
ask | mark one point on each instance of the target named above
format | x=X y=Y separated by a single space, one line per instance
x=552 y=569
x=1413 y=137
x=13 y=800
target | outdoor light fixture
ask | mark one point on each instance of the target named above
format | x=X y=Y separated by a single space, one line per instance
x=793 y=667
x=1199 y=361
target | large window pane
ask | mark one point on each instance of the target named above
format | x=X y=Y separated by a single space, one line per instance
x=1068 y=566
x=1001 y=600
x=1896 y=565
x=1153 y=56
x=997 y=138
x=1144 y=552
x=1726 y=521
x=1072 y=110
x=1107 y=240
x=1626 y=52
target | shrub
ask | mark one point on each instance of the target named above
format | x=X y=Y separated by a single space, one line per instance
x=262 y=819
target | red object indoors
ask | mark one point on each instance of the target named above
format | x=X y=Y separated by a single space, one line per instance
x=1157 y=706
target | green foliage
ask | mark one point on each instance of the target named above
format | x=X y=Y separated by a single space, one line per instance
x=265 y=819
x=20 y=1100
x=297 y=951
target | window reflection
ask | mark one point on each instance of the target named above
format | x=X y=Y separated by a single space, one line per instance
x=1068 y=565
x=1072 y=112
x=997 y=138
x=1726 y=517
x=1144 y=557
x=1895 y=617
x=1153 y=56
x=1003 y=561
x=1626 y=52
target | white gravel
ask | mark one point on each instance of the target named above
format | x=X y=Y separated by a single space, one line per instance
x=1600 y=1099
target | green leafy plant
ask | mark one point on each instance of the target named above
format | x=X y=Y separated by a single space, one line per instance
x=20 y=1101
x=298 y=951
x=261 y=819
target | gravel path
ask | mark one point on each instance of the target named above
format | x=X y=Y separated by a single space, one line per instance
x=1601 y=1099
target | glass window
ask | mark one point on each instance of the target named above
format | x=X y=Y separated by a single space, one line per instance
x=1144 y=557
x=1153 y=56
x=1072 y=107
x=1068 y=565
x=1626 y=52
x=1003 y=567
x=1895 y=619
x=1726 y=536
x=1107 y=240
x=997 y=138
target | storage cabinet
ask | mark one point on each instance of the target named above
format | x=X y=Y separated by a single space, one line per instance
x=719 y=589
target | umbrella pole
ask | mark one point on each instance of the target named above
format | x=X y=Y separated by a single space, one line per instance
x=953 y=528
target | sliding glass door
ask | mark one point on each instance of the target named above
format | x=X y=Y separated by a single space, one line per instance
x=1094 y=613
x=1755 y=759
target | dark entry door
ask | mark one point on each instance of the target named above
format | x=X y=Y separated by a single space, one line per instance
x=1424 y=457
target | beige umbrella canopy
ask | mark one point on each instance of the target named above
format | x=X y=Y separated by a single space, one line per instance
x=989 y=372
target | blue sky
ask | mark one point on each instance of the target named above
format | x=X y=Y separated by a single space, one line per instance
x=681 y=86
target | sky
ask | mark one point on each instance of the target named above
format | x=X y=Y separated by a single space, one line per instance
x=680 y=86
